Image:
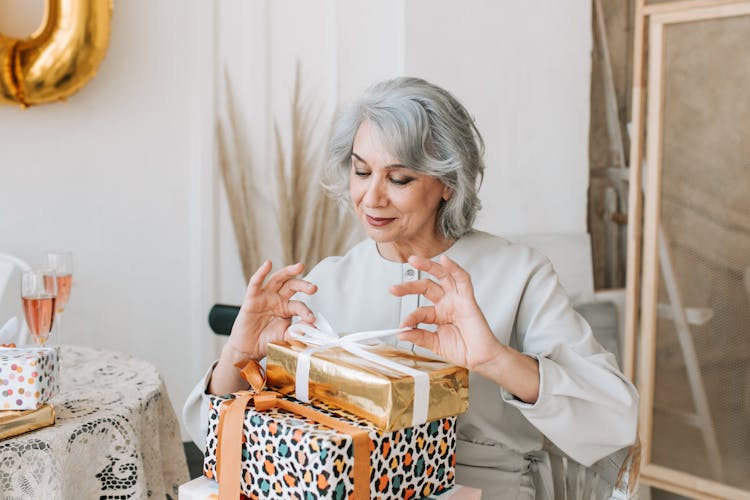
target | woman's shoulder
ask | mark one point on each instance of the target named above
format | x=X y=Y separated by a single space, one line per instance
x=483 y=246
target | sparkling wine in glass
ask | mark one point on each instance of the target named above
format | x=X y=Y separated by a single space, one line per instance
x=62 y=264
x=38 y=294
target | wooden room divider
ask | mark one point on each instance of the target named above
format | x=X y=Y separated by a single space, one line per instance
x=688 y=276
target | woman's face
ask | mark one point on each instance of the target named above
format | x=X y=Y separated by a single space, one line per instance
x=395 y=204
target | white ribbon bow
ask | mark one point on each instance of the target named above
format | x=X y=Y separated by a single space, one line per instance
x=322 y=336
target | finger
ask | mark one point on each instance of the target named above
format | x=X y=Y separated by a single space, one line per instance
x=458 y=273
x=277 y=279
x=288 y=336
x=297 y=308
x=422 y=338
x=428 y=266
x=426 y=287
x=277 y=329
x=257 y=279
x=424 y=314
x=434 y=269
x=292 y=286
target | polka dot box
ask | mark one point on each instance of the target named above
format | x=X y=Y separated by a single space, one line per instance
x=28 y=377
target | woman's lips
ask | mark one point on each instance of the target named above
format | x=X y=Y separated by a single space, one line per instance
x=379 y=221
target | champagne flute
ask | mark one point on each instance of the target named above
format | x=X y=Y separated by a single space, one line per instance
x=62 y=264
x=38 y=294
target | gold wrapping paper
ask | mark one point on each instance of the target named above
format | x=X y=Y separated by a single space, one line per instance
x=15 y=422
x=367 y=389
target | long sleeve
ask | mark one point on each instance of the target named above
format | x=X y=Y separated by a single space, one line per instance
x=585 y=405
x=195 y=411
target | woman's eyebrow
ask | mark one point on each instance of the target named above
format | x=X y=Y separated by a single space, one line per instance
x=395 y=165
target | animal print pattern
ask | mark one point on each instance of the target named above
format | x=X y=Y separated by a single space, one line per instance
x=290 y=457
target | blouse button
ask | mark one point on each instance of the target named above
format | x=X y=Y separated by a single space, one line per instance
x=410 y=273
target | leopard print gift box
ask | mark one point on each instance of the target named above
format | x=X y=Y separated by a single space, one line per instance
x=291 y=457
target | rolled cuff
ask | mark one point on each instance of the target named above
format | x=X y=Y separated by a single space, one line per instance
x=544 y=404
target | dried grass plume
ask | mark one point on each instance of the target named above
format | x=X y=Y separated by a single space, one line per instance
x=311 y=225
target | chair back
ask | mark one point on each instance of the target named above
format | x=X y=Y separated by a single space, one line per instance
x=221 y=318
x=10 y=293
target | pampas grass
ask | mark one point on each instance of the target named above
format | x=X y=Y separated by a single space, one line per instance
x=311 y=225
x=237 y=173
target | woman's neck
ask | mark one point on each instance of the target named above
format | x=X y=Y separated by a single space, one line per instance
x=399 y=251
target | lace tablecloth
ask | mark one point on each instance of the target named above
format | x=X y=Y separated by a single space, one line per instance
x=115 y=435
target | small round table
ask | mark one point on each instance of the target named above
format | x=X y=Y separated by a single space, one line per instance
x=115 y=435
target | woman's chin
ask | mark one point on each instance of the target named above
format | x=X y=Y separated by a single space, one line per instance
x=379 y=235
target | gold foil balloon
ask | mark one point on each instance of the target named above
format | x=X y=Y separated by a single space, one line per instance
x=60 y=57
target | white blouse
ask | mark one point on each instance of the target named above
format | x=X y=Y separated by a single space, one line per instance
x=585 y=405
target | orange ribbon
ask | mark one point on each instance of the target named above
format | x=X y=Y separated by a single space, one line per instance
x=232 y=416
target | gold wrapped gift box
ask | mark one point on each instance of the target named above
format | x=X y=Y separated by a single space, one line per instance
x=15 y=422
x=367 y=389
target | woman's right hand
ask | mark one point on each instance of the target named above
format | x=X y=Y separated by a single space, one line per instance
x=264 y=316
x=267 y=308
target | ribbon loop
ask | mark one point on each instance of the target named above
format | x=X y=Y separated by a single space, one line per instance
x=322 y=336
x=253 y=374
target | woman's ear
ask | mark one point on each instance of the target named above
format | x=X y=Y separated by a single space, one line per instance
x=447 y=193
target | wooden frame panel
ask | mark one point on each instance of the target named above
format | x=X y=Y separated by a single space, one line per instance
x=681 y=5
x=635 y=198
x=644 y=292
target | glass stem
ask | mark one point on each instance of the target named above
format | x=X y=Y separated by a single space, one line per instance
x=58 y=328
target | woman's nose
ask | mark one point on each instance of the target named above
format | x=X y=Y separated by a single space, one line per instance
x=375 y=194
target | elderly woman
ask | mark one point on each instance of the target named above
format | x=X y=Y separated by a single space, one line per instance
x=409 y=157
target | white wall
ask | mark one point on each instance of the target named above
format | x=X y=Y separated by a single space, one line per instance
x=523 y=70
x=124 y=173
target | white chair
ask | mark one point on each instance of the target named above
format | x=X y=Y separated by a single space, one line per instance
x=10 y=300
x=615 y=477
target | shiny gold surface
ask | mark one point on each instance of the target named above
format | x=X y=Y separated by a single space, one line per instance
x=60 y=58
x=369 y=390
x=15 y=422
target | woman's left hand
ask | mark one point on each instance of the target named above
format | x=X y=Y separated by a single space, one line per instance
x=463 y=335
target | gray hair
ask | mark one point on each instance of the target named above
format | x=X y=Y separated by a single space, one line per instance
x=429 y=131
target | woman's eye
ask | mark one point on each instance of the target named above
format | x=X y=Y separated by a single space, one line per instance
x=361 y=173
x=401 y=181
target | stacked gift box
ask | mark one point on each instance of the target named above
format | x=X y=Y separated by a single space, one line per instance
x=28 y=379
x=285 y=454
x=203 y=488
